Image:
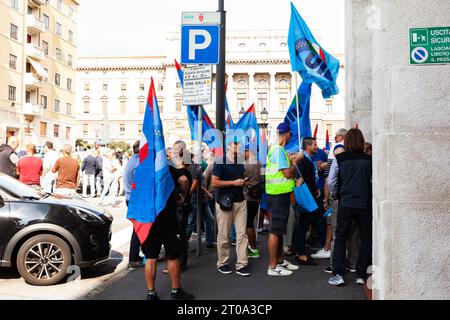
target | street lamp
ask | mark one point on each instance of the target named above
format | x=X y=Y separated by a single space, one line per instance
x=241 y=112
x=264 y=115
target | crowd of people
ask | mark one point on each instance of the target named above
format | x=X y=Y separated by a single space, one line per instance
x=66 y=171
x=238 y=197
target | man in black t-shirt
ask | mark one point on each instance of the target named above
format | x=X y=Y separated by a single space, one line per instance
x=228 y=179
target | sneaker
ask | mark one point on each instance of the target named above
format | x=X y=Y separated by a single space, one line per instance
x=289 y=266
x=360 y=281
x=243 y=272
x=152 y=296
x=278 y=271
x=328 y=269
x=180 y=294
x=253 y=253
x=225 y=269
x=135 y=264
x=321 y=254
x=233 y=243
x=308 y=262
x=336 y=280
x=165 y=271
x=288 y=251
x=352 y=270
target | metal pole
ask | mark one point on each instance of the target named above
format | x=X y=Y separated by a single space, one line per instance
x=199 y=187
x=298 y=113
x=220 y=74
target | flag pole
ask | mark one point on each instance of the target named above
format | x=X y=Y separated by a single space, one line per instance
x=199 y=187
x=298 y=112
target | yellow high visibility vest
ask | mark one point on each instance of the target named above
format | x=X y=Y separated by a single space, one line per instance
x=276 y=182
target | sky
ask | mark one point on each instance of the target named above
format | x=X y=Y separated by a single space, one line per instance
x=139 y=27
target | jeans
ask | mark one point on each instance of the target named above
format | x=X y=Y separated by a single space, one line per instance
x=110 y=188
x=304 y=222
x=88 y=178
x=182 y=213
x=320 y=222
x=363 y=218
x=135 y=245
x=98 y=185
x=207 y=218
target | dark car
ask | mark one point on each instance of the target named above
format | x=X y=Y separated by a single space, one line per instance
x=44 y=234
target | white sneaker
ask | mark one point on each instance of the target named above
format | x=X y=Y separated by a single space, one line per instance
x=321 y=254
x=278 y=271
x=360 y=281
x=289 y=266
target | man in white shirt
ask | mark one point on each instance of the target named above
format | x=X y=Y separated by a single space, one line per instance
x=50 y=158
x=108 y=179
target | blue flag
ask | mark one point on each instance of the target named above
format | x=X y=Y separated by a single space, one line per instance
x=248 y=123
x=304 y=93
x=308 y=58
x=229 y=124
x=153 y=183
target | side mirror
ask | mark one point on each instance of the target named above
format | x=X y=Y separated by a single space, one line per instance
x=2 y=202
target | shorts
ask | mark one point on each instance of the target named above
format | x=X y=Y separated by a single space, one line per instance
x=279 y=209
x=163 y=232
x=252 y=211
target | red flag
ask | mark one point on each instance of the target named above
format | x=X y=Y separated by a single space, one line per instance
x=315 y=130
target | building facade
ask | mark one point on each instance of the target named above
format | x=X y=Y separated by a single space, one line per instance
x=37 y=70
x=112 y=91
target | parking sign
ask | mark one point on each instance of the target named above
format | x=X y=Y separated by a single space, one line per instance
x=200 y=44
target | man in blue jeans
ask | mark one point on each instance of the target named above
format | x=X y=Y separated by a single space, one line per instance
x=134 y=260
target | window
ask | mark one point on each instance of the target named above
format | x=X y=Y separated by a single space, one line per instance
x=27 y=96
x=141 y=87
x=58 y=28
x=68 y=108
x=178 y=84
x=56 y=130
x=242 y=100
x=13 y=31
x=105 y=86
x=69 y=84
x=45 y=46
x=13 y=62
x=104 y=106
x=85 y=129
x=12 y=93
x=46 y=21
x=160 y=87
x=122 y=129
x=43 y=129
x=242 y=83
x=283 y=83
x=86 y=106
x=262 y=83
x=57 y=105
x=262 y=44
x=70 y=36
x=44 y=102
x=87 y=86
x=58 y=54
x=161 y=106
x=329 y=104
x=139 y=128
x=262 y=100
x=178 y=105
x=15 y=4
x=70 y=60
x=70 y=11
x=67 y=133
x=45 y=79
x=59 y=4
x=123 y=106
x=241 y=45
x=123 y=87
x=57 y=79
x=141 y=106
x=329 y=127
x=283 y=44
x=283 y=104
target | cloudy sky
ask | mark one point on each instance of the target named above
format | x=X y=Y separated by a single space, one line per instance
x=139 y=27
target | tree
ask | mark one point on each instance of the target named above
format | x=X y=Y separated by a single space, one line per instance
x=114 y=145
x=81 y=143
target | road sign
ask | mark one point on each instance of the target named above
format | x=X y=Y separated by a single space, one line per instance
x=200 y=44
x=200 y=18
x=197 y=88
x=429 y=45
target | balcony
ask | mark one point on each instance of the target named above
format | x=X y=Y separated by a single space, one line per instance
x=34 y=25
x=32 y=81
x=31 y=109
x=34 y=51
x=36 y=3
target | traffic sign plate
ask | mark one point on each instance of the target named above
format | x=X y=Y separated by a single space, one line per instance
x=200 y=44
x=429 y=45
x=197 y=88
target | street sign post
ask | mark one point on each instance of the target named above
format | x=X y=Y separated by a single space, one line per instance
x=429 y=45
x=197 y=89
x=200 y=44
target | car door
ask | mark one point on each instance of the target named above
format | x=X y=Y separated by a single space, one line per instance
x=5 y=224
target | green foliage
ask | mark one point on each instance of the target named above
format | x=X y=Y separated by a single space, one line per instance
x=123 y=146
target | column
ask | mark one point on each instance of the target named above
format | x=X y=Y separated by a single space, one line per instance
x=251 y=89
x=231 y=94
x=273 y=103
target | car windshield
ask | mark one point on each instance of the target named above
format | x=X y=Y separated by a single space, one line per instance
x=17 y=188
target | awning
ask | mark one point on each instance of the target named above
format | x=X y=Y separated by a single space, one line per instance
x=39 y=69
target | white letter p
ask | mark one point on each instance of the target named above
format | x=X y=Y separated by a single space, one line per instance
x=198 y=46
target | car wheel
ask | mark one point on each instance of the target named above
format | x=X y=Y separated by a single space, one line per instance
x=43 y=260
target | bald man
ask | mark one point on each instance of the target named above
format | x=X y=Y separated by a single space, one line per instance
x=68 y=172
x=9 y=158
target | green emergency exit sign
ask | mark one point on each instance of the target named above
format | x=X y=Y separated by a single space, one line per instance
x=429 y=45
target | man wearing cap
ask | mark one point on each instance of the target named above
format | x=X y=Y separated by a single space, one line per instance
x=280 y=184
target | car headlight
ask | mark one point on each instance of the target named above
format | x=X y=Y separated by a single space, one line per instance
x=108 y=215
x=86 y=215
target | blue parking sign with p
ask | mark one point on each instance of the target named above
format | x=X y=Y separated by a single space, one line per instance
x=200 y=44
